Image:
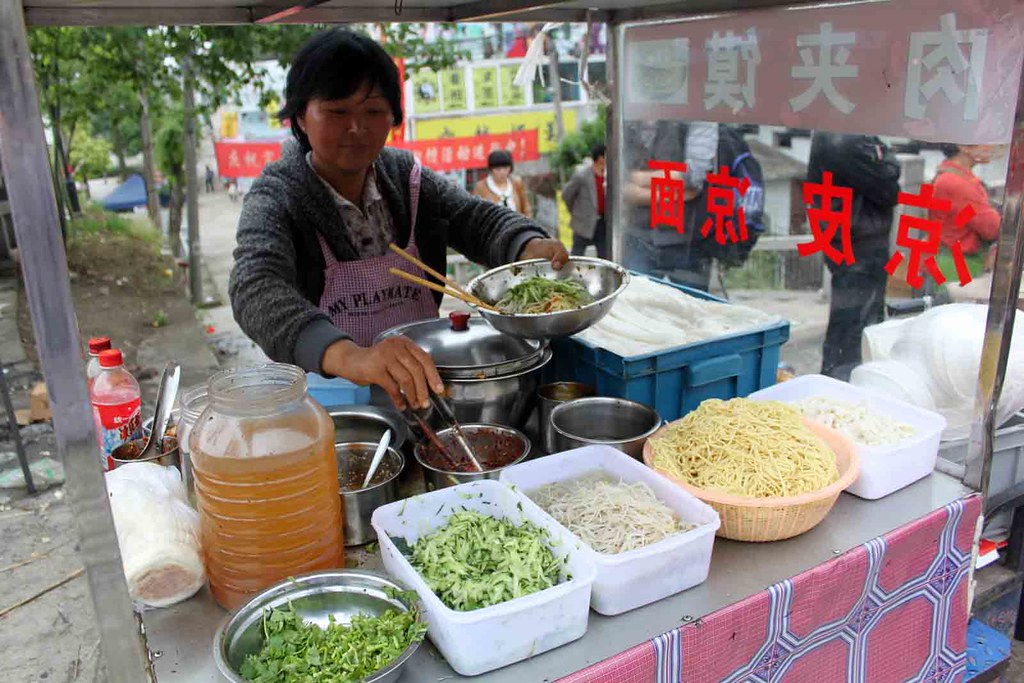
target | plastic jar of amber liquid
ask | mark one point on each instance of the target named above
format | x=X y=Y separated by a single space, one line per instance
x=266 y=481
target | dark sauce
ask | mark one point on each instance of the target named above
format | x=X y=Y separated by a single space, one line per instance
x=493 y=450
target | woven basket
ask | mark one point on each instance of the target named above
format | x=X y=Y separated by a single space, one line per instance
x=773 y=519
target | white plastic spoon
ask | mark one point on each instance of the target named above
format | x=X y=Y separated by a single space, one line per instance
x=382 y=447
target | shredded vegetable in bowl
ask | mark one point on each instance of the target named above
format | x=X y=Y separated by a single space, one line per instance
x=855 y=420
x=611 y=517
x=541 y=295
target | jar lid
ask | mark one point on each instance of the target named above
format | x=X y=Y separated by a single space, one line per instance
x=469 y=349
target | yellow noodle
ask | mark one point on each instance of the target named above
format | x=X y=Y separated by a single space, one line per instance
x=757 y=449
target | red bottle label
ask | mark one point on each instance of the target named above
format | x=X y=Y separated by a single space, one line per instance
x=115 y=425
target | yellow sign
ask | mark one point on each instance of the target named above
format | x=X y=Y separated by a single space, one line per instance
x=485 y=87
x=511 y=95
x=453 y=89
x=228 y=125
x=493 y=124
x=272 y=108
x=424 y=92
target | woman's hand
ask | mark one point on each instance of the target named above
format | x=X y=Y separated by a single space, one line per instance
x=549 y=249
x=405 y=371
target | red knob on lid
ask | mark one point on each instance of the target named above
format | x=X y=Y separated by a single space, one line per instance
x=111 y=358
x=99 y=344
x=460 y=321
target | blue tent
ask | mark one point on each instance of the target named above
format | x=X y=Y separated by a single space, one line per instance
x=132 y=193
x=127 y=195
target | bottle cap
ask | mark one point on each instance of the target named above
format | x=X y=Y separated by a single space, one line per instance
x=111 y=358
x=98 y=345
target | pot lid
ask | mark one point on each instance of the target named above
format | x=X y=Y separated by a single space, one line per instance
x=465 y=347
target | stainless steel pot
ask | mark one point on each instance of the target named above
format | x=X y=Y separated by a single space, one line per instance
x=360 y=504
x=506 y=400
x=614 y=422
x=438 y=478
x=551 y=395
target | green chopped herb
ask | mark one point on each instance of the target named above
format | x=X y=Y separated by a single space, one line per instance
x=476 y=561
x=296 y=652
x=541 y=295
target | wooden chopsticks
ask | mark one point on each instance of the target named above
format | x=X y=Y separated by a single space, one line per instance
x=450 y=287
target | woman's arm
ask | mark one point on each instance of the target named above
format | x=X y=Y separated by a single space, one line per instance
x=986 y=220
x=263 y=287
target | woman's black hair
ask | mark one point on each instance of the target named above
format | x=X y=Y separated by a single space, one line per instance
x=597 y=151
x=499 y=158
x=335 y=64
x=949 y=149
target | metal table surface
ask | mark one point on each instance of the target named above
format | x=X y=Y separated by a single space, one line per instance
x=183 y=634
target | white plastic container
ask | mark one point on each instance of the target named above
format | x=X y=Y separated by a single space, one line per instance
x=883 y=469
x=485 y=639
x=638 y=577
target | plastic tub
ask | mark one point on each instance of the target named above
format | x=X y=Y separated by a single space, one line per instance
x=638 y=577
x=677 y=380
x=486 y=639
x=883 y=469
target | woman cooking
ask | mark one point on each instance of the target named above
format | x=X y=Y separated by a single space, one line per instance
x=311 y=282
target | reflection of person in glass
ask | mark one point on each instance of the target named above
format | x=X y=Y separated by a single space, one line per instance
x=584 y=196
x=864 y=164
x=955 y=182
x=664 y=251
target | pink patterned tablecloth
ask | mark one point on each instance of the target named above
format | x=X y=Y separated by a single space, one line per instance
x=889 y=611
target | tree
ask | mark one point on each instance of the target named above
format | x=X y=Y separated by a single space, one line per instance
x=575 y=147
x=90 y=157
x=169 y=151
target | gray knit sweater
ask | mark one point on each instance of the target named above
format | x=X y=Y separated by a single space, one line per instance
x=278 y=276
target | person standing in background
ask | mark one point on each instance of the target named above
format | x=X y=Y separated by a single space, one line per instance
x=665 y=252
x=585 y=198
x=867 y=166
x=956 y=183
x=501 y=187
x=209 y=178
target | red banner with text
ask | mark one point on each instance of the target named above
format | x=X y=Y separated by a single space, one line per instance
x=450 y=154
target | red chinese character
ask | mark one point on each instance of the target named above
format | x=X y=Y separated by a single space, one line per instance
x=668 y=195
x=722 y=192
x=825 y=221
x=928 y=246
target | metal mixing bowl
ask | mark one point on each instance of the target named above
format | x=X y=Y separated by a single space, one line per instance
x=366 y=424
x=507 y=400
x=604 y=281
x=614 y=422
x=438 y=479
x=342 y=593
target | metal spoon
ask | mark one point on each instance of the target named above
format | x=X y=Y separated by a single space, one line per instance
x=382 y=447
x=166 y=394
x=449 y=416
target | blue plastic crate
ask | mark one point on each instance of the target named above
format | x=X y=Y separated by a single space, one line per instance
x=335 y=391
x=676 y=380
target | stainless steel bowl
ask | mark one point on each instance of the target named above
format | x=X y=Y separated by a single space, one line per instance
x=604 y=281
x=507 y=400
x=551 y=395
x=438 y=478
x=360 y=504
x=614 y=422
x=342 y=593
x=366 y=424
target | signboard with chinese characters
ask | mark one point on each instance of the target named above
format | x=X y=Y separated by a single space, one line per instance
x=937 y=70
x=485 y=87
x=244 y=159
x=511 y=94
x=449 y=154
x=490 y=124
x=426 y=96
x=453 y=90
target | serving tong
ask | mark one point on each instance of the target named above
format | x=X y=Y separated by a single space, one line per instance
x=448 y=416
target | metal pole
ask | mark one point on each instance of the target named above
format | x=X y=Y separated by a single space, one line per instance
x=1002 y=309
x=12 y=424
x=195 y=260
x=44 y=264
x=615 y=229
